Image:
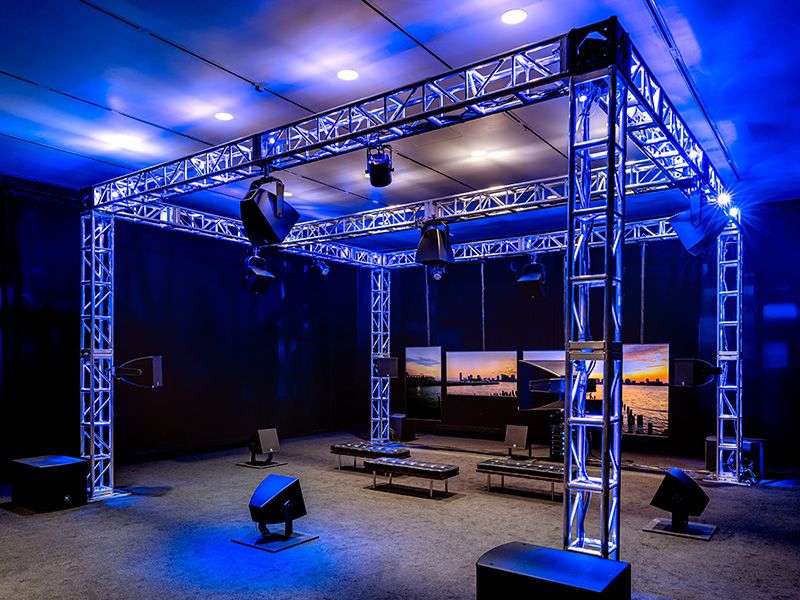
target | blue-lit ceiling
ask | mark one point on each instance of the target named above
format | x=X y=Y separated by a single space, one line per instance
x=92 y=89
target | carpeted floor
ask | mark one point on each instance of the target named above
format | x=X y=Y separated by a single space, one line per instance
x=171 y=538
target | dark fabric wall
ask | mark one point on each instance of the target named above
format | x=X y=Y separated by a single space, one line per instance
x=295 y=358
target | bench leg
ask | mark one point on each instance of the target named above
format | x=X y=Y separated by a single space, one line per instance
x=339 y=456
x=354 y=462
x=431 y=488
x=390 y=479
x=503 y=481
x=374 y=480
x=552 y=490
x=445 y=487
x=488 y=482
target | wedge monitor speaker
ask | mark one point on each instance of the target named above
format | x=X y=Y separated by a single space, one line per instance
x=278 y=499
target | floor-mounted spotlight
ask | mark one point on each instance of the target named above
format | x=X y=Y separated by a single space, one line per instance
x=322 y=267
x=532 y=280
x=255 y=276
x=379 y=165
x=266 y=216
x=434 y=249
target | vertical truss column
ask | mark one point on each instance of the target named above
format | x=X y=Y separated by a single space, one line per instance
x=593 y=338
x=729 y=355
x=97 y=350
x=379 y=307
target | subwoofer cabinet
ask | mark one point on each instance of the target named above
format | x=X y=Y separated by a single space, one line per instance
x=45 y=483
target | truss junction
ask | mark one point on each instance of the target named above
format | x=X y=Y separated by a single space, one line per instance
x=595 y=67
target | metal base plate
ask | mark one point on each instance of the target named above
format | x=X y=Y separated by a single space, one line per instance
x=250 y=465
x=276 y=543
x=695 y=531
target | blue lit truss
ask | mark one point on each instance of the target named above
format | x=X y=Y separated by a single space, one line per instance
x=636 y=109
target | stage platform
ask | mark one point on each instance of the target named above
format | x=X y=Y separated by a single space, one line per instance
x=171 y=537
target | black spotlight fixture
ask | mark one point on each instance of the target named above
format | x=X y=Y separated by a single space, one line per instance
x=266 y=216
x=434 y=249
x=255 y=276
x=532 y=280
x=680 y=495
x=379 y=165
x=693 y=372
x=322 y=267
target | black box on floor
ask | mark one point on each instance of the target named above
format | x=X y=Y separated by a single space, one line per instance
x=520 y=570
x=403 y=427
x=752 y=455
x=44 y=483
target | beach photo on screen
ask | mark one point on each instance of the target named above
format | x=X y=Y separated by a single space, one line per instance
x=482 y=373
x=645 y=388
x=424 y=382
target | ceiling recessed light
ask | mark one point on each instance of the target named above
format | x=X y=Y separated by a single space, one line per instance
x=478 y=153
x=223 y=116
x=515 y=16
x=347 y=75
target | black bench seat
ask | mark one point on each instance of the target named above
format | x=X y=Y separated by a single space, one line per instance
x=410 y=468
x=368 y=450
x=529 y=469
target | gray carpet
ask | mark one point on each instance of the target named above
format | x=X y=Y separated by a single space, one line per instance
x=171 y=539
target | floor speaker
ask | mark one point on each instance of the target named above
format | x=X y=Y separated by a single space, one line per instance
x=45 y=483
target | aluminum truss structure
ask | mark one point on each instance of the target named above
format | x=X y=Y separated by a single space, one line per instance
x=729 y=357
x=380 y=281
x=588 y=282
x=97 y=350
x=613 y=97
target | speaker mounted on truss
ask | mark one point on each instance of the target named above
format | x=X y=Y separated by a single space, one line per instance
x=266 y=216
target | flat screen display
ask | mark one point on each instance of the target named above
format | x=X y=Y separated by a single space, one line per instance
x=424 y=382
x=482 y=373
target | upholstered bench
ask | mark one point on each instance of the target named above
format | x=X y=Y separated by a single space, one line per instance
x=529 y=469
x=368 y=450
x=410 y=468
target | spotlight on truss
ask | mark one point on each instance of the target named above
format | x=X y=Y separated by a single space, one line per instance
x=434 y=249
x=379 y=165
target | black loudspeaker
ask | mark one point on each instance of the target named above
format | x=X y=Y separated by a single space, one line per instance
x=277 y=500
x=386 y=366
x=255 y=277
x=434 y=247
x=680 y=495
x=46 y=483
x=532 y=280
x=693 y=372
x=266 y=217
x=520 y=570
x=146 y=371
x=698 y=229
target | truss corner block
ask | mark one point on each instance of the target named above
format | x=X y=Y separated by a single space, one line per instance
x=597 y=46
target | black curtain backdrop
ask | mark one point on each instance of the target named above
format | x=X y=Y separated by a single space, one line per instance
x=298 y=357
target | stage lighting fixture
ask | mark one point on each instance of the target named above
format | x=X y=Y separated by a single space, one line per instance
x=680 y=495
x=437 y=273
x=693 y=372
x=322 y=267
x=266 y=216
x=532 y=280
x=434 y=247
x=379 y=165
x=255 y=276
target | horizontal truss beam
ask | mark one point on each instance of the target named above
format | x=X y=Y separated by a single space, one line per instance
x=643 y=176
x=521 y=77
x=642 y=231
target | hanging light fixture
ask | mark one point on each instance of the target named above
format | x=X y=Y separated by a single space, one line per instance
x=255 y=276
x=379 y=164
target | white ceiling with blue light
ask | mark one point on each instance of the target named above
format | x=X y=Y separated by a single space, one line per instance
x=92 y=89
